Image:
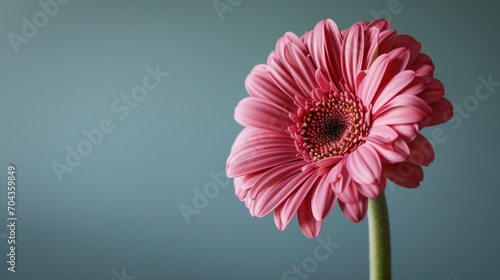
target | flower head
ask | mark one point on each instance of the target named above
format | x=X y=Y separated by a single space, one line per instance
x=330 y=117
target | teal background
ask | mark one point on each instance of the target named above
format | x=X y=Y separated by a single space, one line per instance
x=119 y=208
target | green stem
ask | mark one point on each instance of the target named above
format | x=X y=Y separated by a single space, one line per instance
x=380 y=239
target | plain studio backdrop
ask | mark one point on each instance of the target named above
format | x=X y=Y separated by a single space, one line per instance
x=119 y=114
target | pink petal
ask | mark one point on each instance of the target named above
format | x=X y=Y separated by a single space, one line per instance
x=325 y=46
x=406 y=131
x=423 y=67
x=364 y=165
x=386 y=40
x=442 y=112
x=325 y=165
x=277 y=218
x=373 y=190
x=291 y=205
x=324 y=85
x=300 y=68
x=405 y=101
x=421 y=151
x=337 y=177
x=257 y=161
x=404 y=174
x=400 y=115
x=352 y=55
x=380 y=23
x=392 y=89
x=390 y=152
x=256 y=112
x=282 y=78
x=349 y=193
x=384 y=134
x=268 y=200
x=355 y=212
x=241 y=193
x=251 y=138
x=274 y=176
x=371 y=82
x=248 y=181
x=323 y=200
x=259 y=84
x=289 y=38
x=410 y=43
x=433 y=92
x=238 y=190
x=416 y=87
x=371 y=50
x=398 y=58
x=308 y=224
x=255 y=151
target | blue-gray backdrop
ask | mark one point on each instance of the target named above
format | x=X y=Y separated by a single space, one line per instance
x=101 y=176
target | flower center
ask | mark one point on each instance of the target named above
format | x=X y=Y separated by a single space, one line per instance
x=329 y=127
x=324 y=125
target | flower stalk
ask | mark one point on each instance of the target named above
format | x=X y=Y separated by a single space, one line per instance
x=380 y=243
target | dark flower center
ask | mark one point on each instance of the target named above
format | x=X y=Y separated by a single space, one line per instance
x=327 y=128
x=331 y=127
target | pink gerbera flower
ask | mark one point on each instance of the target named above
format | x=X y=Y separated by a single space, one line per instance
x=330 y=117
